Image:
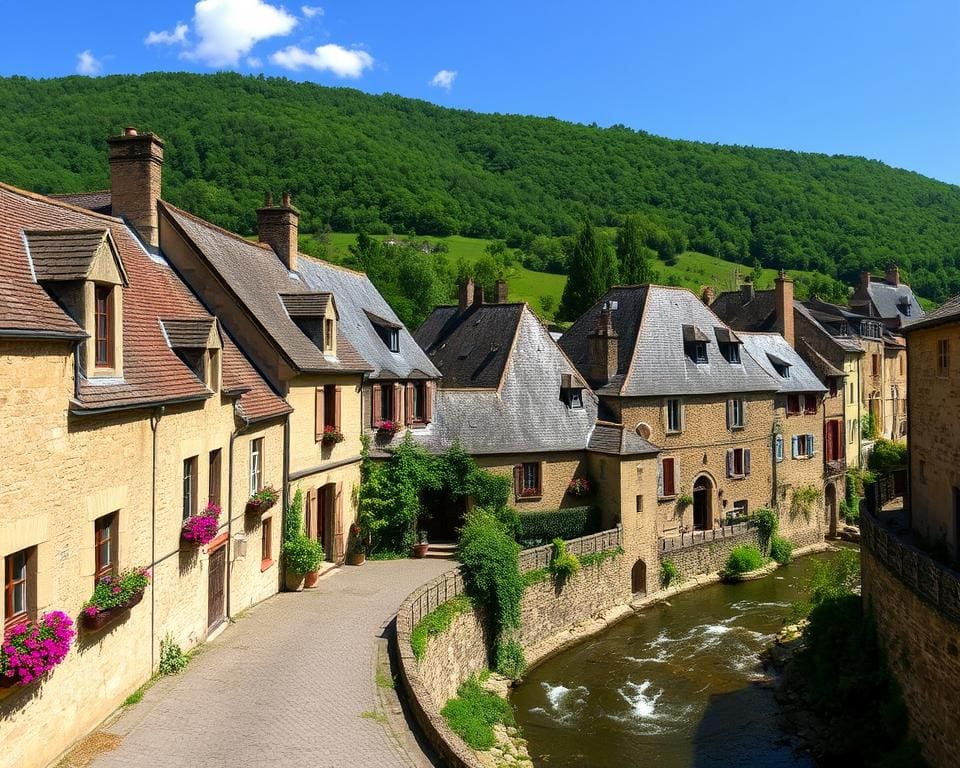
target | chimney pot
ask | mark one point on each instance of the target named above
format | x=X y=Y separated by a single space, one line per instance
x=130 y=131
x=865 y=280
x=604 y=344
x=268 y=199
x=893 y=274
x=136 y=163
x=286 y=200
x=478 y=297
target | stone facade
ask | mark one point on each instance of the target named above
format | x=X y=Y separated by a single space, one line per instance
x=799 y=472
x=556 y=472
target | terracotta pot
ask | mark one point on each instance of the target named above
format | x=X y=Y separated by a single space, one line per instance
x=94 y=623
x=420 y=550
x=293 y=581
x=310 y=579
x=258 y=507
x=356 y=558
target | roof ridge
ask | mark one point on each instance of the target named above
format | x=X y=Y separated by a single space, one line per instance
x=215 y=227
x=41 y=198
x=328 y=263
x=85 y=192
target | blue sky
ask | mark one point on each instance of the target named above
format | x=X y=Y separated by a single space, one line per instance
x=880 y=79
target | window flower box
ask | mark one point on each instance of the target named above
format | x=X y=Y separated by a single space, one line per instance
x=30 y=650
x=387 y=429
x=201 y=529
x=579 y=486
x=331 y=435
x=113 y=596
x=530 y=493
x=262 y=500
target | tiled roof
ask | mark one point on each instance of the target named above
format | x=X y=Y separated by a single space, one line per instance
x=187 y=334
x=471 y=348
x=817 y=362
x=652 y=359
x=312 y=304
x=98 y=202
x=258 y=278
x=891 y=300
x=948 y=312
x=770 y=348
x=152 y=372
x=758 y=314
x=65 y=254
x=358 y=303
x=846 y=343
x=619 y=440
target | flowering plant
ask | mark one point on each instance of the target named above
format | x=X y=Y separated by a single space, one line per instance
x=268 y=494
x=527 y=492
x=389 y=427
x=31 y=650
x=114 y=591
x=579 y=486
x=202 y=529
x=331 y=435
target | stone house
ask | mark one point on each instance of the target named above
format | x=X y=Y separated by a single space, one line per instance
x=125 y=407
x=887 y=298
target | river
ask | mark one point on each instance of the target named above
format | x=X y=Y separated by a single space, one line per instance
x=677 y=686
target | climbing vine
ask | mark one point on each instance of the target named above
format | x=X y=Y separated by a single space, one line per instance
x=803 y=500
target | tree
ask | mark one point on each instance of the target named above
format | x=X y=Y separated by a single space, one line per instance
x=593 y=269
x=633 y=254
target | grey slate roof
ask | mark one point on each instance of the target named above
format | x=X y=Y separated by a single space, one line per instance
x=758 y=314
x=766 y=348
x=471 y=348
x=187 y=334
x=652 y=359
x=817 y=362
x=887 y=299
x=313 y=304
x=66 y=254
x=948 y=312
x=619 y=440
x=846 y=343
x=526 y=415
x=356 y=296
x=100 y=201
x=258 y=278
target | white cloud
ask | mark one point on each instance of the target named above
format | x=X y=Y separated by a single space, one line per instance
x=254 y=62
x=228 y=29
x=311 y=10
x=444 y=79
x=178 y=35
x=87 y=64
x=325 y=58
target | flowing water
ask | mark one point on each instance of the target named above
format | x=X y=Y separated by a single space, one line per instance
x=676 y=686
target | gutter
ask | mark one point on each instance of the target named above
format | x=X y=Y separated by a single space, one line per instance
x=136 y=406
x=14 y=333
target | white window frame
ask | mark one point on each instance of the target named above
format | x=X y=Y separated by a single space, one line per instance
x=738 y=413
x=678 y=425
x=256 y=466
x=778 y=448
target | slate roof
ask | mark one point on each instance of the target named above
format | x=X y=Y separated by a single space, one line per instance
x=471 y=348
x=356 y=299
x=758 y=314
x=152 y=372
x=619 y=440
x=768 y=348
x=947 y=312
x=846 y=343
x=100 y=201
x=526 y=414
x=887 y=298
x=652 y=359
x=257 y=277
x=817 y=362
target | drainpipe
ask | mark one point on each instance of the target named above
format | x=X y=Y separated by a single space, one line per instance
x=233 y=436
x=284 y=494
x=154 y=425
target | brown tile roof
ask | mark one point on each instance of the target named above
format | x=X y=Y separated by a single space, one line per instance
x=258 y=279
x=187 y=334
x=306 y=304
x=152 y=372
x=99 y=202
x=66 y=254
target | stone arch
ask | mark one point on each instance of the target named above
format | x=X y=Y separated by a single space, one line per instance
x=704 y=490
x=638 y=578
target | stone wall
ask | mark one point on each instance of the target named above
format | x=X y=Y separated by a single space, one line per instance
x=916 y=603
x=548 y=609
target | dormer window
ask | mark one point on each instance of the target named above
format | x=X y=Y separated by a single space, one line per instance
x=387 y=330
x=328 y=334
x=315 y=314
x=571 y=391
x=197 y=344
x=782 y=367
x=729 y=344
x=695 y=344
x=103 y=326
x=904 y=306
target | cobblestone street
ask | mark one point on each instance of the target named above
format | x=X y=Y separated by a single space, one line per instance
x=290 y=684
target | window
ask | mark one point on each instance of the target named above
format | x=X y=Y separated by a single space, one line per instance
x=105 y=545
x=943 y=357
x=803 y=446
x=189 y=487
x=639 y=505
x=668 y=478
x=213 y=478
x=103 y=326
x=875 y=364
x=809 y=404
x=391 y=338
x=793 y=405
x=740 y=511
x=266 y=544
x=778 y=448
x=730 y=352
x=572 y=396
x=674 y=415
x=738 y=462
x=782 y=369
x=331 y=406
x=834 y=386
x=256 y=465
x=328 y=332
x=419 y=404
x=18 y=585
x=527 y=480
x=386 y=403
x=700 y=352
x=736 y=414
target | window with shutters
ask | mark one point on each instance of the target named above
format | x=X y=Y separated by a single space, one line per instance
x=386 y=403
x=736 y=414
x=793 y=405
x=105 y=545
x=943 y=358
x=331 y=406
x=738 y=463
x=803 y=446
x=674 y=415
x=189 y=487
x=778 y=448
x=809 y=404
x=668 y=478
x=103 y=325
x=19 y=586
x=256 y=465
x=419 y=401
x=528 y=480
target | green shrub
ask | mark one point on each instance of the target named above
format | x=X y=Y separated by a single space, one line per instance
x=744 y=559
x=684 y=500
x=668 y=573
x=803 y=500
x=835 y=578
x=888 y=456
x=436 y=623
x=474 y=712
x=563 y=565
x=766 y=522
x=302 y=554
x=781 y=550
x=537 y=528
x=172 y=658
x=595 y=558
x=510 y=660
x=293 y=521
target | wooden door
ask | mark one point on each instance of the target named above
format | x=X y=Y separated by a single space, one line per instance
x=217 y=588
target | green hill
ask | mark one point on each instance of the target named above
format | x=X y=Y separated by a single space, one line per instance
x=354 y=161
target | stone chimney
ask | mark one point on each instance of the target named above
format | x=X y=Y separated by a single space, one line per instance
x=707 y=295
x=865 y=280
x=465 y=292
x=783 y=291
x=478 y=297
x=136 y=160
x=500 y=292
x=893 y=274
x=277 y=226
x=604 y=343
x=746 y=292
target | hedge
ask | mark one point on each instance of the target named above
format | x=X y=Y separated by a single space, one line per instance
x=538 y=528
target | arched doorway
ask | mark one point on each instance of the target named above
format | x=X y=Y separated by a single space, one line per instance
x=702 y=503
x=830 y=508
x=638 y=578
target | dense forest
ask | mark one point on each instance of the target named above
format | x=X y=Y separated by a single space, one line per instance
x=357 y=162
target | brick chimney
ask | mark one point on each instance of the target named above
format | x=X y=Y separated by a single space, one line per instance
x=604 y=343
x=746 y=292
x=707 y=295
x=500 y=292
x=136 y=160
x=865 y=280
x=893 y=274
x=478 y=297
x=465 y=293
x=277 y=226
x=783 y=291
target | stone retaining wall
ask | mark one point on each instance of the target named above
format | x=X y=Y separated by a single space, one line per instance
x=547 y=609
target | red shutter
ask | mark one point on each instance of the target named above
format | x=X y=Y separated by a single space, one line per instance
x=338 y=527
x=375 y=416
x=336 y=408
x=397 y=402
x=409 y=404
x=793 y=403
x=668 y=478
x=318 y=415
x=428 y=402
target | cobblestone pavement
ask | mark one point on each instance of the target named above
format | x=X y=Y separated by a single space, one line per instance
x=290 y=684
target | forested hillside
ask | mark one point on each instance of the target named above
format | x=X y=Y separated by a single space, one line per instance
x=356 y=162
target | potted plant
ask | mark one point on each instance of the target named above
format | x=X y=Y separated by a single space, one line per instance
x=262 y=500
x=579 y=486
x=357 y=546
x=301 y=555
x=331 y=435
x=30 y=650
x=202 y=528
x=387 y=429
x=113 y=596
x=422 y=546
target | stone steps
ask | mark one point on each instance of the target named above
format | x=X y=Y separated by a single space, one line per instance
x=443 y=551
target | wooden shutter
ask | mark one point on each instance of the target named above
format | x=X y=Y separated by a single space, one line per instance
x=729 y=413
x=669 y=481
x=397 y=402
x=539 y=467
x=409 y=404
x=428 y=402
x=517 y=479
x=811 y=445
x=746 y=462
x=660 y=478
x=794 y=447
x=375 y=417
x=338 y=526
x=729 y=462
x=743 y=413
x=309 y=512
x=318 y=415
x=336 y=408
